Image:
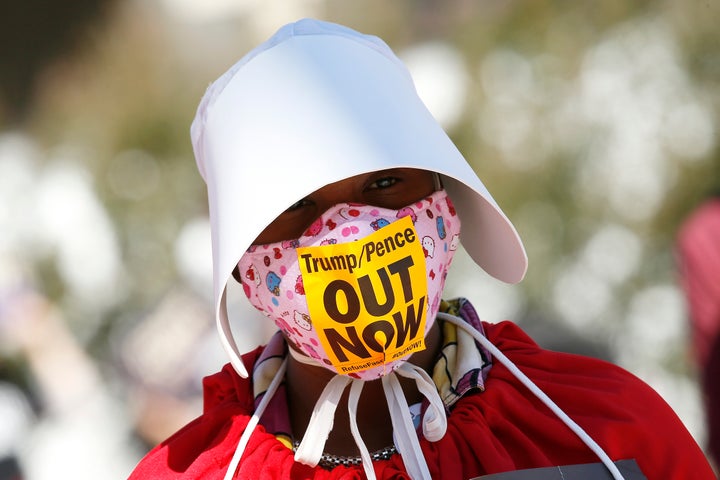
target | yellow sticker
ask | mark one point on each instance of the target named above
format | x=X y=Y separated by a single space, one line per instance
x=367 y=299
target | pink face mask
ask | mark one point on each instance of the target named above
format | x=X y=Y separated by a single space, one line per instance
x=361 y=288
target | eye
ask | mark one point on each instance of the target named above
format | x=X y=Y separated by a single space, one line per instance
x=298 y=205
x=384 y=182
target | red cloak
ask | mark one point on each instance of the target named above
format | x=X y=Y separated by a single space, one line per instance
x=501 y=429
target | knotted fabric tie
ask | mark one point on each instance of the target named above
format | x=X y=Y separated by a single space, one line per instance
x=434 y=422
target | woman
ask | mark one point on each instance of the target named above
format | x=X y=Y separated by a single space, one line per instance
x=337 y=201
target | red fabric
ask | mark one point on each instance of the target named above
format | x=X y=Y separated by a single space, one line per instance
x=504 y=428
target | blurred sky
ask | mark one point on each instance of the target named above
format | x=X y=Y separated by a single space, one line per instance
x=594 y=125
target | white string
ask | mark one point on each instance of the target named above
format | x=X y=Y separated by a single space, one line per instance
x=226 y=337
x=354 y=397
x=321 y=422
x=408 y=445
x=434 y=421
x=542 y=396
x=252 y=423
x=404 y=431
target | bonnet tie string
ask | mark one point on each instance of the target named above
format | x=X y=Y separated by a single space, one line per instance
x=321 y=422
x=406 y=438
x=252 y=423
x=355 y=390
x=542 y=396
x=434 y=422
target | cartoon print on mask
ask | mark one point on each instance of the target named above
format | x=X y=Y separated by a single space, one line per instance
x=441 y=227
x=407 y=211
x=455 y=242
x=379 y=223
x=273 y=283
x=288 y=244
x=435 y=305
x=299 y=286
x=284 y=328
x=253 y=275
x=428 y=246
x=314 y=229
x=349 y=213
x=351 y=230
x=277 y=295
x=302 y=320
x=451 y=207
x=311 y=351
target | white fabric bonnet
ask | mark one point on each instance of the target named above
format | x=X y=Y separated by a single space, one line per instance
x=314 y=104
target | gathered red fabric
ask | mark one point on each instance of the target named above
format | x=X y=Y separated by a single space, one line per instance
x=501 y=429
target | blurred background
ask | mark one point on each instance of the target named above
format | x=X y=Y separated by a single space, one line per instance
x=594 y=125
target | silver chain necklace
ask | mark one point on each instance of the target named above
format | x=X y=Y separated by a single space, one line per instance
x=330 y=461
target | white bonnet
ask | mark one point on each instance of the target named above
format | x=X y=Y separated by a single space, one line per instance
x=314 y=104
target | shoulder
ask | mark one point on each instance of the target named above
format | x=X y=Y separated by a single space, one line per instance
x=617 y=409
x=566 y=374
x=227 y=386
x=589 y=387
x=199 y=448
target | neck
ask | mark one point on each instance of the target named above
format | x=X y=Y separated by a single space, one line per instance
x=305 y=383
